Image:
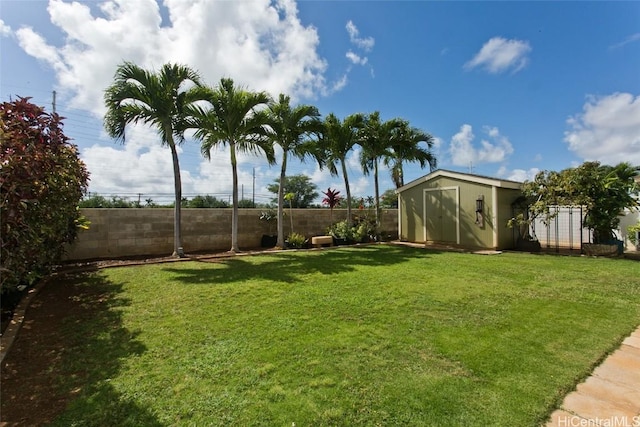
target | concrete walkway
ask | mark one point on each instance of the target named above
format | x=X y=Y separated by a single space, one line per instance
x=610 y=396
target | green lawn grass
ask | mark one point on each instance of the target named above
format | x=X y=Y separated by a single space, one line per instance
x=374 y=335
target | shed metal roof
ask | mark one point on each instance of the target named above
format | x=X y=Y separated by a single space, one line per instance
x=478 y=179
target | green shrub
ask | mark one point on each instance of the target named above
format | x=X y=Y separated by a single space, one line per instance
x=43 y=179
x=296 y=241
x=340 y=230
x=360 y=232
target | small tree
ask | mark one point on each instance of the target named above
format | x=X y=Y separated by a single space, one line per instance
x=389 y=199
x=304 y=191
x=605 y=191
x=332 y=198
x=42 y=180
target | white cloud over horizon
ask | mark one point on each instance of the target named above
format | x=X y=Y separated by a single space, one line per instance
x=262 y=44
x=499 y=55
x=607 y=129
x=463 y=152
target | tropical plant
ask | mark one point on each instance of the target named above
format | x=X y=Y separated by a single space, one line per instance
x=331 y=199
x=232 y=119
x=364 y=230
x=296 y=241
x=268 y=217
x=406 y=147
x=301 y=186
x=376 y=139
x=337 y=140
x=161 y=100
x=291 y=128
x=42 y=179
x=605 y=191
x=341 y=230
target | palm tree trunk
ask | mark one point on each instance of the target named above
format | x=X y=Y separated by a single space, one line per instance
x=377 y=189
x=396 y=174
x=280 y=242
x=346 y=184
x=177 y=182
x=234 y=214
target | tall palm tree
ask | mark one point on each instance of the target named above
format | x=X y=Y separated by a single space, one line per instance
x=406 y=147
x=337 y=140
x=376 y=140
x=233 y=119
x=291 y=128
x=159 y=99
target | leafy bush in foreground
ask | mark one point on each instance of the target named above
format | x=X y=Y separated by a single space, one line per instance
x=41 y=180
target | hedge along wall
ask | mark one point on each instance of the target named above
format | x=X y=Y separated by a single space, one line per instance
x=127 y=232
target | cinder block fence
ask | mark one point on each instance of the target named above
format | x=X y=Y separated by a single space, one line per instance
x=126 y=232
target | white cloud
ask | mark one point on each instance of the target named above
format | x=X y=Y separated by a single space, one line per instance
x=363 y=44
x=632 y=38
x=463 y=152
x=338 y=85
x=5 y=30
x=366 y=43
x=607 y=130
x=143 y=163
x=262 y=44
x=519 y=175
x=142 y=160
x=355 y=58
x=499 y=54
x=35 y=45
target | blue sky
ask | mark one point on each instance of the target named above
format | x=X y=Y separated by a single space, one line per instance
x=506 y=88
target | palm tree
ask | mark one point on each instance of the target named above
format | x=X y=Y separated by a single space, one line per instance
x=291 y=128
x=405 y=148
x=233 y=119
x=160 y=99
x=376 y=140
x=337 y=140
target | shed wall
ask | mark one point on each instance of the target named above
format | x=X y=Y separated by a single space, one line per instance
x=497 y=210
x=506 y=235
x=472 y=235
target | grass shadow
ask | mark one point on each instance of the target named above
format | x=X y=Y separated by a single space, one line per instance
x=72 y=343
x=288 y=266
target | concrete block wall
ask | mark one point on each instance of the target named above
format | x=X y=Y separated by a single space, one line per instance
x=127 y=232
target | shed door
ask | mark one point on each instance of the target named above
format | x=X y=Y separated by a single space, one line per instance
x=441 y=215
